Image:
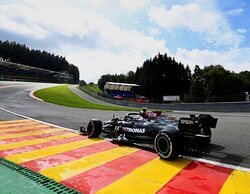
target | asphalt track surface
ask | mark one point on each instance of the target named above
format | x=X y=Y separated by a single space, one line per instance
x=88 y=97
x=230 y=140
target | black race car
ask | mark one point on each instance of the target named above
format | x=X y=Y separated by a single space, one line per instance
x=168 y=136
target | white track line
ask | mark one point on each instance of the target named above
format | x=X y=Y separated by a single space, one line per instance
x=186 y=157
x=31 y=94
x=217 y=163
x=53 y=125
x=10 y=86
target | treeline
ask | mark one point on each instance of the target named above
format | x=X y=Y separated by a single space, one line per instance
x=214 y=83
x=163 y=76
x=159 y=76
x=20 y=53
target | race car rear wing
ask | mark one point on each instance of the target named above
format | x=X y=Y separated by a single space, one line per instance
x=194 y=122
x=207 y=120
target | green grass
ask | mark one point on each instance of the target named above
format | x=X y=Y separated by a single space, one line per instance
x=62 y=95
x=94 y=88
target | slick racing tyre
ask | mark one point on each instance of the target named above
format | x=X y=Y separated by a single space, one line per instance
x=206 y=140
x=94 y=128
x=166 y=146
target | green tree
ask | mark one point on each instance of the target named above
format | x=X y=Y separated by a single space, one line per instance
x=245 y=77
x=18 y=53
x=161 y=76
x=196 y=92
x=221 y=84
x=103 y=79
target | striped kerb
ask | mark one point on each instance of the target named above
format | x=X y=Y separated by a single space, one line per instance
x=199 y=177
x=99 y=166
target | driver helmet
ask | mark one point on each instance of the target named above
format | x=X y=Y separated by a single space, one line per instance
x=144 y=113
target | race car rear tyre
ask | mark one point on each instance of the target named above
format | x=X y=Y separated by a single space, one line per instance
x=94 y=128
x=166 y=146
x=207 y=140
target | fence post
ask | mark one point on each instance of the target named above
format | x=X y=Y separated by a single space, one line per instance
x=247 y=96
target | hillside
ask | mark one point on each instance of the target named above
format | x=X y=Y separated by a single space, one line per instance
x=14 y=71
x=21 y=54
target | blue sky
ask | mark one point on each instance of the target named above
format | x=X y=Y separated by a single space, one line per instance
x=116 y=36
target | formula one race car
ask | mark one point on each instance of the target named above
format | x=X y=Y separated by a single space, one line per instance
x=168 y=137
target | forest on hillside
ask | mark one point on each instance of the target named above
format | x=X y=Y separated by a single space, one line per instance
x=162 y=75
x=20 y=53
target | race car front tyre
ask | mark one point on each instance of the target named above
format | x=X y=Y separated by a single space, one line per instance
x=94 y=128
x=166 y=146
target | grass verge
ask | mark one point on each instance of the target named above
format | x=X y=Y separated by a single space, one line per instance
x=62 y=95
x=94 y=88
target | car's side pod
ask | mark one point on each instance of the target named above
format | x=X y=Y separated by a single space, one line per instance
x=168 y=143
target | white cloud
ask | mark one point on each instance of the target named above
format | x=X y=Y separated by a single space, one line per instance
x=241 y=30
x=100 y=47
x=71 y=22
x=10 y=25
x=94 y=3
x=153 y=31
x=117 y=50
x=94 y=63
x=133 y=5
x=200 y=17
x=235 y=60
x=129 y=53
x=235 y=12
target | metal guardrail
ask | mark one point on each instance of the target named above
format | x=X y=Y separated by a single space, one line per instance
x=209 y=106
